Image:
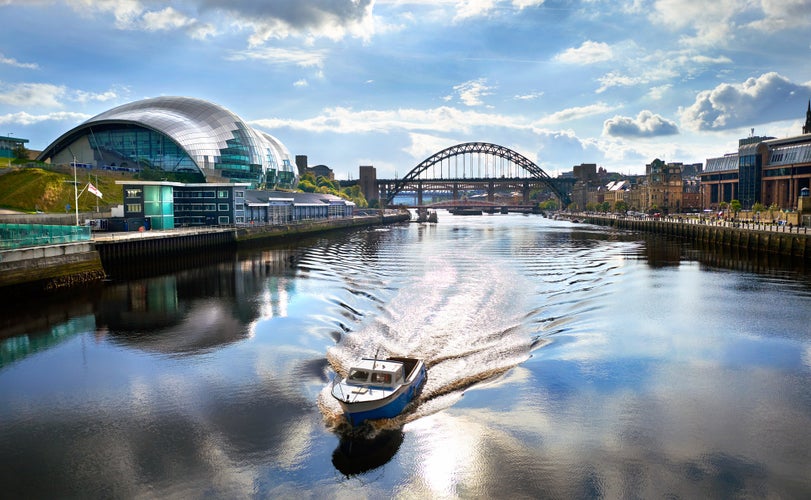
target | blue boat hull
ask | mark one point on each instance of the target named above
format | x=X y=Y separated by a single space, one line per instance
x=391 y=407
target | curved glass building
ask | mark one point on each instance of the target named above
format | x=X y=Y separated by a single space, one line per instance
x=177 y=134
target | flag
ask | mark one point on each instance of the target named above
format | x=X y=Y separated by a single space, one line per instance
x=93 y=189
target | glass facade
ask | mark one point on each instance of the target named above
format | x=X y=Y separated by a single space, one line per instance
x=132 y=148
x=788 y=155
x=749 y=175
x=180 y=134
x=159 y=206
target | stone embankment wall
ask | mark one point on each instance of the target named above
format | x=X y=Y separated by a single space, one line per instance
x=52 y=267
x=768 y=238
x=49 y=268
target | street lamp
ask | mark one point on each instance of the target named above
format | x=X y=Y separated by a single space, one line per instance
x=75 y=190
x=11 y=148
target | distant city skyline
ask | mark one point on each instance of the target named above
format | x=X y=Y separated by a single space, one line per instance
x=390 y=82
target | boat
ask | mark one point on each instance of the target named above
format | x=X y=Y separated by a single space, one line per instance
x=467 y=211
x=379 y=388
x=426 y=215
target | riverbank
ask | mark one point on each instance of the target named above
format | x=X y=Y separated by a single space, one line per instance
x=783 y=240
x=55 y=267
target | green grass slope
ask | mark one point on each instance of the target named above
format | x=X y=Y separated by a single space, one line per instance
x=28 y=189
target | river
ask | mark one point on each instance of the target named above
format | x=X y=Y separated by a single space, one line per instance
x=564 y=361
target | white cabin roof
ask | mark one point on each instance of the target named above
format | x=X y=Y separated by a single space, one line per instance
x=379 y=365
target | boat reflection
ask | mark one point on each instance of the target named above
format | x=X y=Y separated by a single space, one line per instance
x=358 y=454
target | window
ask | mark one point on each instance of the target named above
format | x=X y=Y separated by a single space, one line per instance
x=134 y=207
x=223 y=207
x=223 y=220
x=133 y=193
x=239 y=194
x=223 y=193
x=381 y=378
x=358 y=375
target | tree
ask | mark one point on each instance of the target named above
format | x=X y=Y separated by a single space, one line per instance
x=307 y=186
x=548 y=205
x=620 y=206
x=20 y=152
x=735 y=206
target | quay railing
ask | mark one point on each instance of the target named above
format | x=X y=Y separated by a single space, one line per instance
x=13 y=236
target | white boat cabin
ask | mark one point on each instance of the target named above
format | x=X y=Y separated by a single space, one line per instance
x=376 y=372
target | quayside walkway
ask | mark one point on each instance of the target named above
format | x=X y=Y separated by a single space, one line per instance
x=771 y=238
x=61 y=265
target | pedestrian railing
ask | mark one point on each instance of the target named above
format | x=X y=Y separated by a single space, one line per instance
x=14 y=236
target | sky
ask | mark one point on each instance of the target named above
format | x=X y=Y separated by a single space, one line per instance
x=389 y=83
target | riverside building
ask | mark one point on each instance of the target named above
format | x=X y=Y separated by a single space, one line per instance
x=177 y=134
x=764 y=170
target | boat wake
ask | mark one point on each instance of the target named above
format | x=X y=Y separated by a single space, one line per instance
x=454 y=323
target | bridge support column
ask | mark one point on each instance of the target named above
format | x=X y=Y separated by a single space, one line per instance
x=525 y=193
x=491 y=191
x=455 y=191
x=419 y=193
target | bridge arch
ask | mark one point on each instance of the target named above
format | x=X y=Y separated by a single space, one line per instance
x=487 y=148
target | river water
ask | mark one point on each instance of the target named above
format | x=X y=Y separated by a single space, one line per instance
x=564 y=360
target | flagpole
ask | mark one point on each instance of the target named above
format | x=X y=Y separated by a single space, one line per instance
x=97 y=198
x=75 y=190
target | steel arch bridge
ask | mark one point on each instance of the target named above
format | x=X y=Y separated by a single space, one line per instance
x=511 y=166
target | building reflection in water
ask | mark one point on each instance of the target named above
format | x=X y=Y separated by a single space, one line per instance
x=198 y=309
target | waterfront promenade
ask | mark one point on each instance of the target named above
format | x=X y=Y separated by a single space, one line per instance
x=781 y=239
x=50 y=267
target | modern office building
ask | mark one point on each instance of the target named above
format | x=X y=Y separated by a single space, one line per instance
x=8 y=149
x=177 y=134
x=169 y=205
x=764 y=170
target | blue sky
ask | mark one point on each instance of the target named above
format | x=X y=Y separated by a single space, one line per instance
x=390 y=82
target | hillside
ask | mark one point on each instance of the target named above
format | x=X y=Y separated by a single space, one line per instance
x=28 y=189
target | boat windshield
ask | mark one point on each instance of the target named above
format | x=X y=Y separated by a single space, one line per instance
x=381 y=378
x=356 y=375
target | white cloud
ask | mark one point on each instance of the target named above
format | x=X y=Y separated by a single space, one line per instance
x=769 y=97
x=84 y=97
x=466 y=9
x=575 y=113
x=425 y=145
x=28 y=95
x=272 y=55
x=589 y=52
x=170 y=19
x=523 y=4
x=24 y=118
x=125 y=12
x=443 y=119
x=781 y=15
x=646 y=124
x=13 y=62
x=529 y=97
x=471 y=92
x=657 y=93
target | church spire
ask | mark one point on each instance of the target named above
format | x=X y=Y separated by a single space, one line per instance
x=807 y=127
